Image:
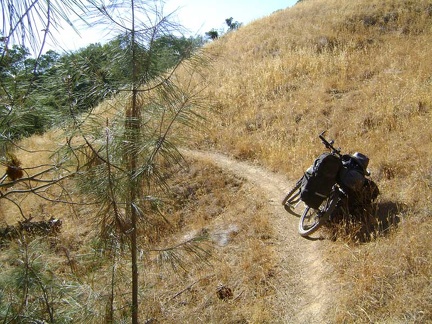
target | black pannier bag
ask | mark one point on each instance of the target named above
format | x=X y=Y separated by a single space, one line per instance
x=351 y=175
x=352 y=179
x=319 y=179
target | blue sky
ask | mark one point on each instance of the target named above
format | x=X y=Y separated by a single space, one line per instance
x=200 y=16
x=197 y=16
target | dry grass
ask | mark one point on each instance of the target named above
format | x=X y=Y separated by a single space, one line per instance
x=387 y=280
x=361 y=70
x=276 y=90
x=234 y=217
x=206 y=203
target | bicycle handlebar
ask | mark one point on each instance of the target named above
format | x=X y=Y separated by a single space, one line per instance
x=329 y=145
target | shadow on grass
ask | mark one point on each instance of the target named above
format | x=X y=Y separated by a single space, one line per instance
x=388 y=215
x=377 y=220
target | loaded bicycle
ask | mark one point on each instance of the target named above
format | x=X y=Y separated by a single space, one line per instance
x=336 y=183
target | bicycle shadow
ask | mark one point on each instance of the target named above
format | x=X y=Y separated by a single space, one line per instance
x=366 y=226
x=388 y=215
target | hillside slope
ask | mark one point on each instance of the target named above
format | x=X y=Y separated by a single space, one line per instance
x=361 y=70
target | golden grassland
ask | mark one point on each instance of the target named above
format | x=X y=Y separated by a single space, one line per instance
x=361 y=70
x=230 y=217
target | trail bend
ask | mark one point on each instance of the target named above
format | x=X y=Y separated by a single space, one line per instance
x=303 y=294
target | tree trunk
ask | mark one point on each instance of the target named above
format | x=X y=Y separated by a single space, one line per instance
x=133 y=129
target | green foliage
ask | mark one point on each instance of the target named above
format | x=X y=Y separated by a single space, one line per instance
x=29 y=291
x=232 y=25
x=22 y=107
x=107 y=179
x=125 y=158
x=34 y=290
x=212 y=34
x=37 y=93
x=171 y=50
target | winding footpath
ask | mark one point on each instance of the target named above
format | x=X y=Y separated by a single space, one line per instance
x=302 y=293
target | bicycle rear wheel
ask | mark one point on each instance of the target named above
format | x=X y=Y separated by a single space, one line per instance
x=292 y=199
x=312 y=219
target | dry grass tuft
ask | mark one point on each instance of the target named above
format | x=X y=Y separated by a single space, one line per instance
x=388 y=278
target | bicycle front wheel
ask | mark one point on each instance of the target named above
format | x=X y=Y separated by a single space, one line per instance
x=312 y=219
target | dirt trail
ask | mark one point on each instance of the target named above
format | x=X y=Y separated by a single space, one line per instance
x=302 y=294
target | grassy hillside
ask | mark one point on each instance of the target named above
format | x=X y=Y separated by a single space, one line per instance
x=361 y=70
